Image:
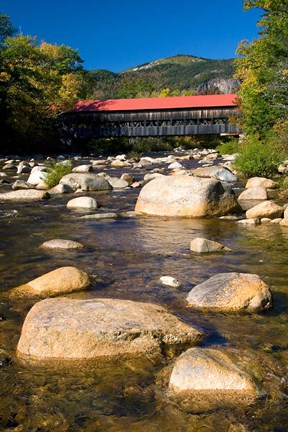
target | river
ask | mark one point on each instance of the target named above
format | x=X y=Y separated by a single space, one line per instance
x=125 y=258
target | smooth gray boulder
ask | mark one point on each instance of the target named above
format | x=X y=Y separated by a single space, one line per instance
x=209 y=370
x=86 y=182
x=218 y=172
x=70 y=329
x=61 y=188
x=185 y=196
x=231 y=292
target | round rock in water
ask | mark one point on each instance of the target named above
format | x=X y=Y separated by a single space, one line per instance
x=86 y=182
x=61 y=244
x=231 y=292
x=202 y=245
x=209 y=370
x=71 y=329
x=170 y=281
x=82 y=203
x=59 y=281
x=185 y=196
x=265 y=209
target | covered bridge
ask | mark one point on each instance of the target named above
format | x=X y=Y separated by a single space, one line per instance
x=142 y=117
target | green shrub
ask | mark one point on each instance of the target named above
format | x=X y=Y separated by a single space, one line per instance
x=56 y=170
x=258 y=158
x=229 y=147
x=283 y=187
x=150 y=144
x=114 y=145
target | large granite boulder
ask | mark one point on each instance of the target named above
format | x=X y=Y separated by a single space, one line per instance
x=209 y=370
x=70 y=329
x=59 y=281
x=185 y=196
x=231 y=292
x=86 y=182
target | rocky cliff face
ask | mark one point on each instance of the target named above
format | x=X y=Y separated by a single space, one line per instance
x=224 y=85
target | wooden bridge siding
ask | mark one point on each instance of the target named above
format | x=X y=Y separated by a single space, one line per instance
x=154 y=131
x=152 y=115
x=96 y=124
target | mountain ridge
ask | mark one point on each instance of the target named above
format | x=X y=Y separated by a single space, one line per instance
x=169 y=76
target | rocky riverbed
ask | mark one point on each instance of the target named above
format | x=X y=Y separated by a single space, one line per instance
x=146 y=260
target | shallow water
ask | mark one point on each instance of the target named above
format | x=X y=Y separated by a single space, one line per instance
x=126 y=258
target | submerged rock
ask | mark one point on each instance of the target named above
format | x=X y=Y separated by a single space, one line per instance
x=202 y=245
x=61 y=244
x=209 y=370
x=99 y=216
x=68 y=329
x=231 y=292
x=185 y=196
x=24 y=195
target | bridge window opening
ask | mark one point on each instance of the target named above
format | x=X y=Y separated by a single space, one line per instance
x=205 y=121
x=152 y=123
x=191 y=122
x=219 y=121
x=177 y=123
x=165 y=123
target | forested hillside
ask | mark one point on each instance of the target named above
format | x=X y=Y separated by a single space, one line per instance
x=177 y=75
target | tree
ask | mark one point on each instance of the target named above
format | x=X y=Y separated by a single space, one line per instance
x=37 y=82
x=263 y=69
x=6 y=28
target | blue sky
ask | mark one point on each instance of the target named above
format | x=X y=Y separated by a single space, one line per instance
x=119 y=34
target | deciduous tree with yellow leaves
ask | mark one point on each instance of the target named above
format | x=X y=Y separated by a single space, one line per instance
x=263 y=69
x=37 y=82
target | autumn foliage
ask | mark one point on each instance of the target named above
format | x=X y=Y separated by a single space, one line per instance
x=37 y=82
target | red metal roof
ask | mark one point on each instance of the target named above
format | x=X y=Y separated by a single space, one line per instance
x=159 y=103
